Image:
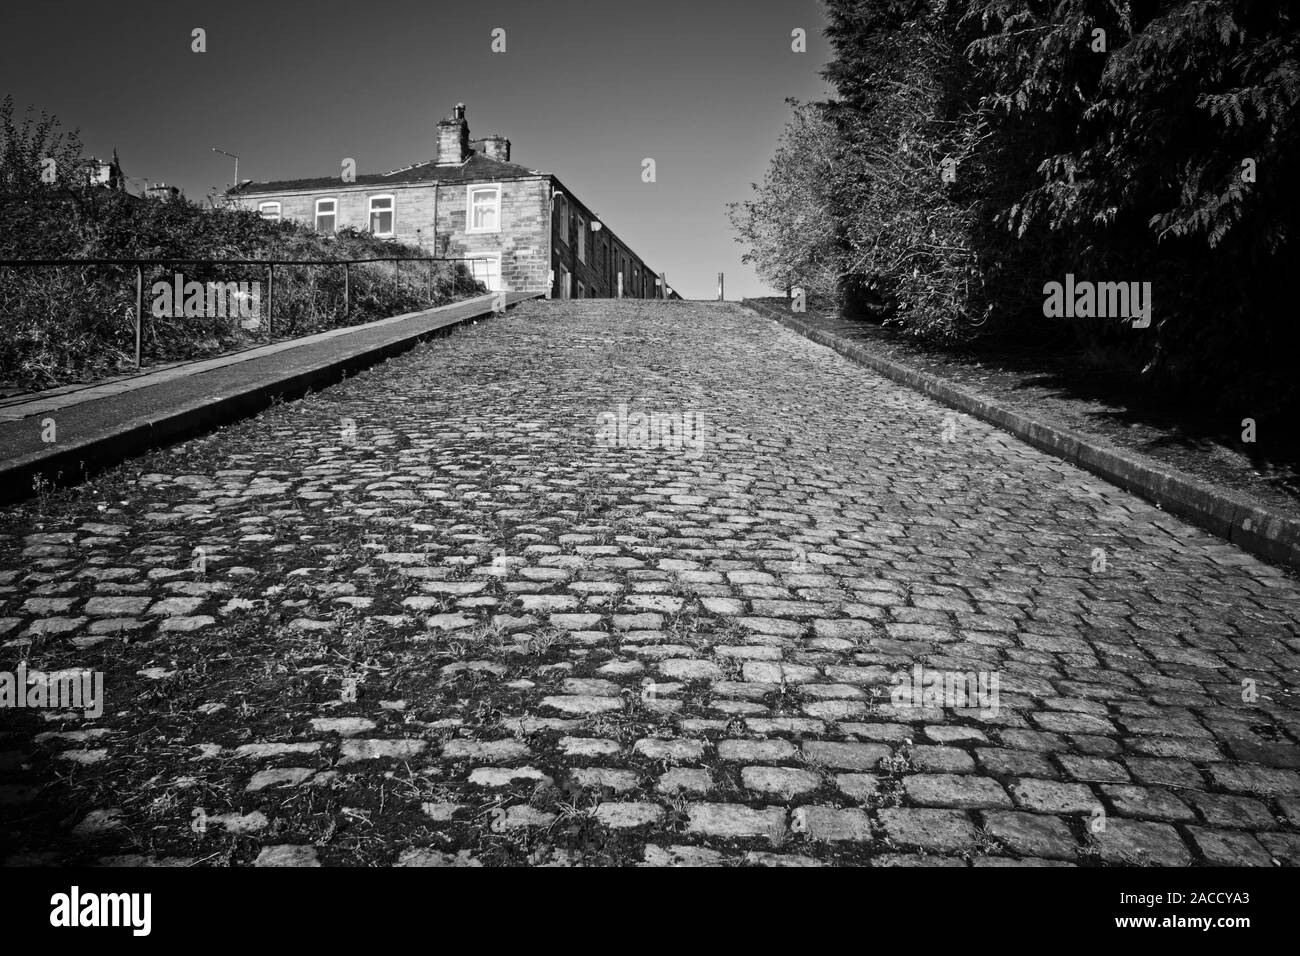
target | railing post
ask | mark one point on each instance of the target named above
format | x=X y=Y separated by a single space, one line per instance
x=347 y=291
x=139 y=312
x=270 y=298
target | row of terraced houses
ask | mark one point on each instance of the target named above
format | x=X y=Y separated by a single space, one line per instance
x=522 y=227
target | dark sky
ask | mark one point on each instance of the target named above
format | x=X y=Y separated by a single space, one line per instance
x=586 y=89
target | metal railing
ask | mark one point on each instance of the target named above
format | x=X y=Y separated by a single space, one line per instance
x=268 y=264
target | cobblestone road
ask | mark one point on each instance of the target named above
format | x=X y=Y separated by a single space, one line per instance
x=467 y=608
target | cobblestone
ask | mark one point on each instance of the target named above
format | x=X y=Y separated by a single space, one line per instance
x=466 y=615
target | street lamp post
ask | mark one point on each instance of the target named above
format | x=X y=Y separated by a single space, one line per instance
x=595 y=239
x=235 y=158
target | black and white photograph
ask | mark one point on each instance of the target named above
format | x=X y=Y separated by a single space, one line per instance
x=681 y=434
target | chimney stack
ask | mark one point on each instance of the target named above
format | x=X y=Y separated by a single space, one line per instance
x=496 y=147
x=453 y=138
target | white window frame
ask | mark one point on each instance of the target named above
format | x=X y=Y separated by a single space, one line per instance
x=263 y=206
x=469 y=208
x=582 y=240
x=392 y=211
x=316 y=218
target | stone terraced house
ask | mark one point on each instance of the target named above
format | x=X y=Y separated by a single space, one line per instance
x=471 y=201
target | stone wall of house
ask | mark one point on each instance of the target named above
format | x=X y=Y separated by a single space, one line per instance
x=522 y=242
x=605 y=255
x=535 y=238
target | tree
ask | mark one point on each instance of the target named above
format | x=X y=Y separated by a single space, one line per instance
x=1115 y=140
x=27 y=147
x=791 y=226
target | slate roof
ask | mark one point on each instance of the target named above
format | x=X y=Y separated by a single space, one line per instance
x=478 y=168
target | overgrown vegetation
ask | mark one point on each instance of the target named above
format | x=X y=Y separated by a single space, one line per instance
x=1114 y=140
x=64 y=324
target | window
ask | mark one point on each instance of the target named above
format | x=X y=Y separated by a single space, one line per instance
x=381 y=215
x=582 y=290
x=269 y=210
x=564 y=220
x=484 y=205
x=327 y=216
x=582 y=243
x=488 y=271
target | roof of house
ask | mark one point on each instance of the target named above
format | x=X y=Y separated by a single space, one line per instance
x=478 y=168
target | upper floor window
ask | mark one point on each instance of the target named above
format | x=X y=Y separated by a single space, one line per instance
x=484 y=205
x=327 y=216
x=381 y=215
x=582 y=240
x=269 y=210
x=564 y=220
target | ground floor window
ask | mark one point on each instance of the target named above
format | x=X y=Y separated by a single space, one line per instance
x=487 y=269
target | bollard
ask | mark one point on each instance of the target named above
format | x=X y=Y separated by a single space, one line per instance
x=720 y=297
x=139 y=312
